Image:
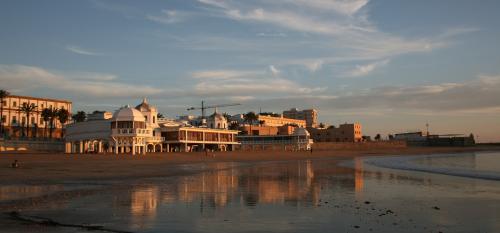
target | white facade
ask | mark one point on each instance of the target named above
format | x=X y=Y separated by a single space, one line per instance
x=130 y=130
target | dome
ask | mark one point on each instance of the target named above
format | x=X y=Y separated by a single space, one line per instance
x=144 y=106
x=128 y=114
x=301 y=132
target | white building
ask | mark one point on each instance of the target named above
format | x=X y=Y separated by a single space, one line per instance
x=129 y=130
x=137 y=131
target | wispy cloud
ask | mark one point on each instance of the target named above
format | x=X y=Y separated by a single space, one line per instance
x=26 y=79
x=274 y=70
x=170 y=16
x=363 y=70
x=81 y=51
x=342 y=27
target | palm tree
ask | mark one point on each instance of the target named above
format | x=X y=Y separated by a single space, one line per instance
x=52 y=112
x=27 y=109
x=63 y=116
x=378 y=137
x=80 y=116
x=3 y=94
x=250 y=118
x=46 y=117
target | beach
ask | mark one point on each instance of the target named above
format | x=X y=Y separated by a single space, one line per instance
x=338 y=190
x=46 y=168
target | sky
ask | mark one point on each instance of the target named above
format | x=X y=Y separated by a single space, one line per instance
x=391 y=65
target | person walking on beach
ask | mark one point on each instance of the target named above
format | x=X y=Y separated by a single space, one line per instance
x=311 y=150
x=15 y=164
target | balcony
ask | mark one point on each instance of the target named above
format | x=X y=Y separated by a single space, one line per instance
x=131 y=132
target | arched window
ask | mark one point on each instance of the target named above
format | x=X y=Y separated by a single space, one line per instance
x=154 y=119
x=218 y=125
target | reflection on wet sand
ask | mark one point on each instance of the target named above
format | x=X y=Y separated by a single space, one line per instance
x=287 y=183
x=13 y=192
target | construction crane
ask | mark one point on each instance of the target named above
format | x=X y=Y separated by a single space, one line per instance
x=203 y=107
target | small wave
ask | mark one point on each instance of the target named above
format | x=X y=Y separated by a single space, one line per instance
x=406 y=163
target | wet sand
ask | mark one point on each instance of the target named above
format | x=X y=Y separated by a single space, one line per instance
x=239 y=192
x=38 y=168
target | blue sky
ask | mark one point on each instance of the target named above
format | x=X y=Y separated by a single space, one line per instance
x=391 y=65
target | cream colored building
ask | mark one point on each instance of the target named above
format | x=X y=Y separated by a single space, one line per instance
x=309 y=115
x=13 y=119
x=343 y=133
x=280 y=121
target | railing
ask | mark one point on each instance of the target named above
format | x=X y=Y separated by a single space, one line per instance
x=156 y=139
x=130 y=131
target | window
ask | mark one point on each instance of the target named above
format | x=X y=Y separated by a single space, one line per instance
x=154 y=119
x=4 y=119
x=42 y=106
x=33 y=120
x=24 y=120
x=41 y=121
x=146 y=118
x=4 y=102
x=14 y=104
x=14 y=120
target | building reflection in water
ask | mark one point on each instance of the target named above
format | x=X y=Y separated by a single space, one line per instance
x=358 y=176
x=295 y=183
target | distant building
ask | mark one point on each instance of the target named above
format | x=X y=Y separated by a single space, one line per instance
x=343 y=133
x=309 y=115
x=280 y=121
x=418 y=139
x=411 y=136
x=13 y=120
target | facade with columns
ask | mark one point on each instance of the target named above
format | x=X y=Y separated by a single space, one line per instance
x=128 y=130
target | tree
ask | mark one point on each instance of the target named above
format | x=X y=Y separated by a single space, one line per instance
x=234 y=125
x=159 y=115
x=52 y=112
x=3 y=94
x=378 y=137
x=63 y=116
x=227 y=116
x=250 y=118
x=27 y=109
x=261 y=122
x=46 y=117
x=391 y=137
x=322 y=125
x=80 y=116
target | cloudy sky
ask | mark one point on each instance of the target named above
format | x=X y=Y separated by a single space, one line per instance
x=391 y=65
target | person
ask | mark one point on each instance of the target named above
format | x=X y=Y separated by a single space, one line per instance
x=15 y=164
x=311 y=150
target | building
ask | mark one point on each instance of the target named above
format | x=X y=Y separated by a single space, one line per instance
x=418 y=139
x=343 y=133
x=299 y=140
x=182 y=138
x=13 y=120
x=217 y=121
x=258 y=130
x=138 y=131
x=309 y=115
x=280 y=121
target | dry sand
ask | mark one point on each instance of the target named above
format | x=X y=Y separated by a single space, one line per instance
x=55 y=168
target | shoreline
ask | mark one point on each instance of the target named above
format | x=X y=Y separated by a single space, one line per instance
x=46 y=168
